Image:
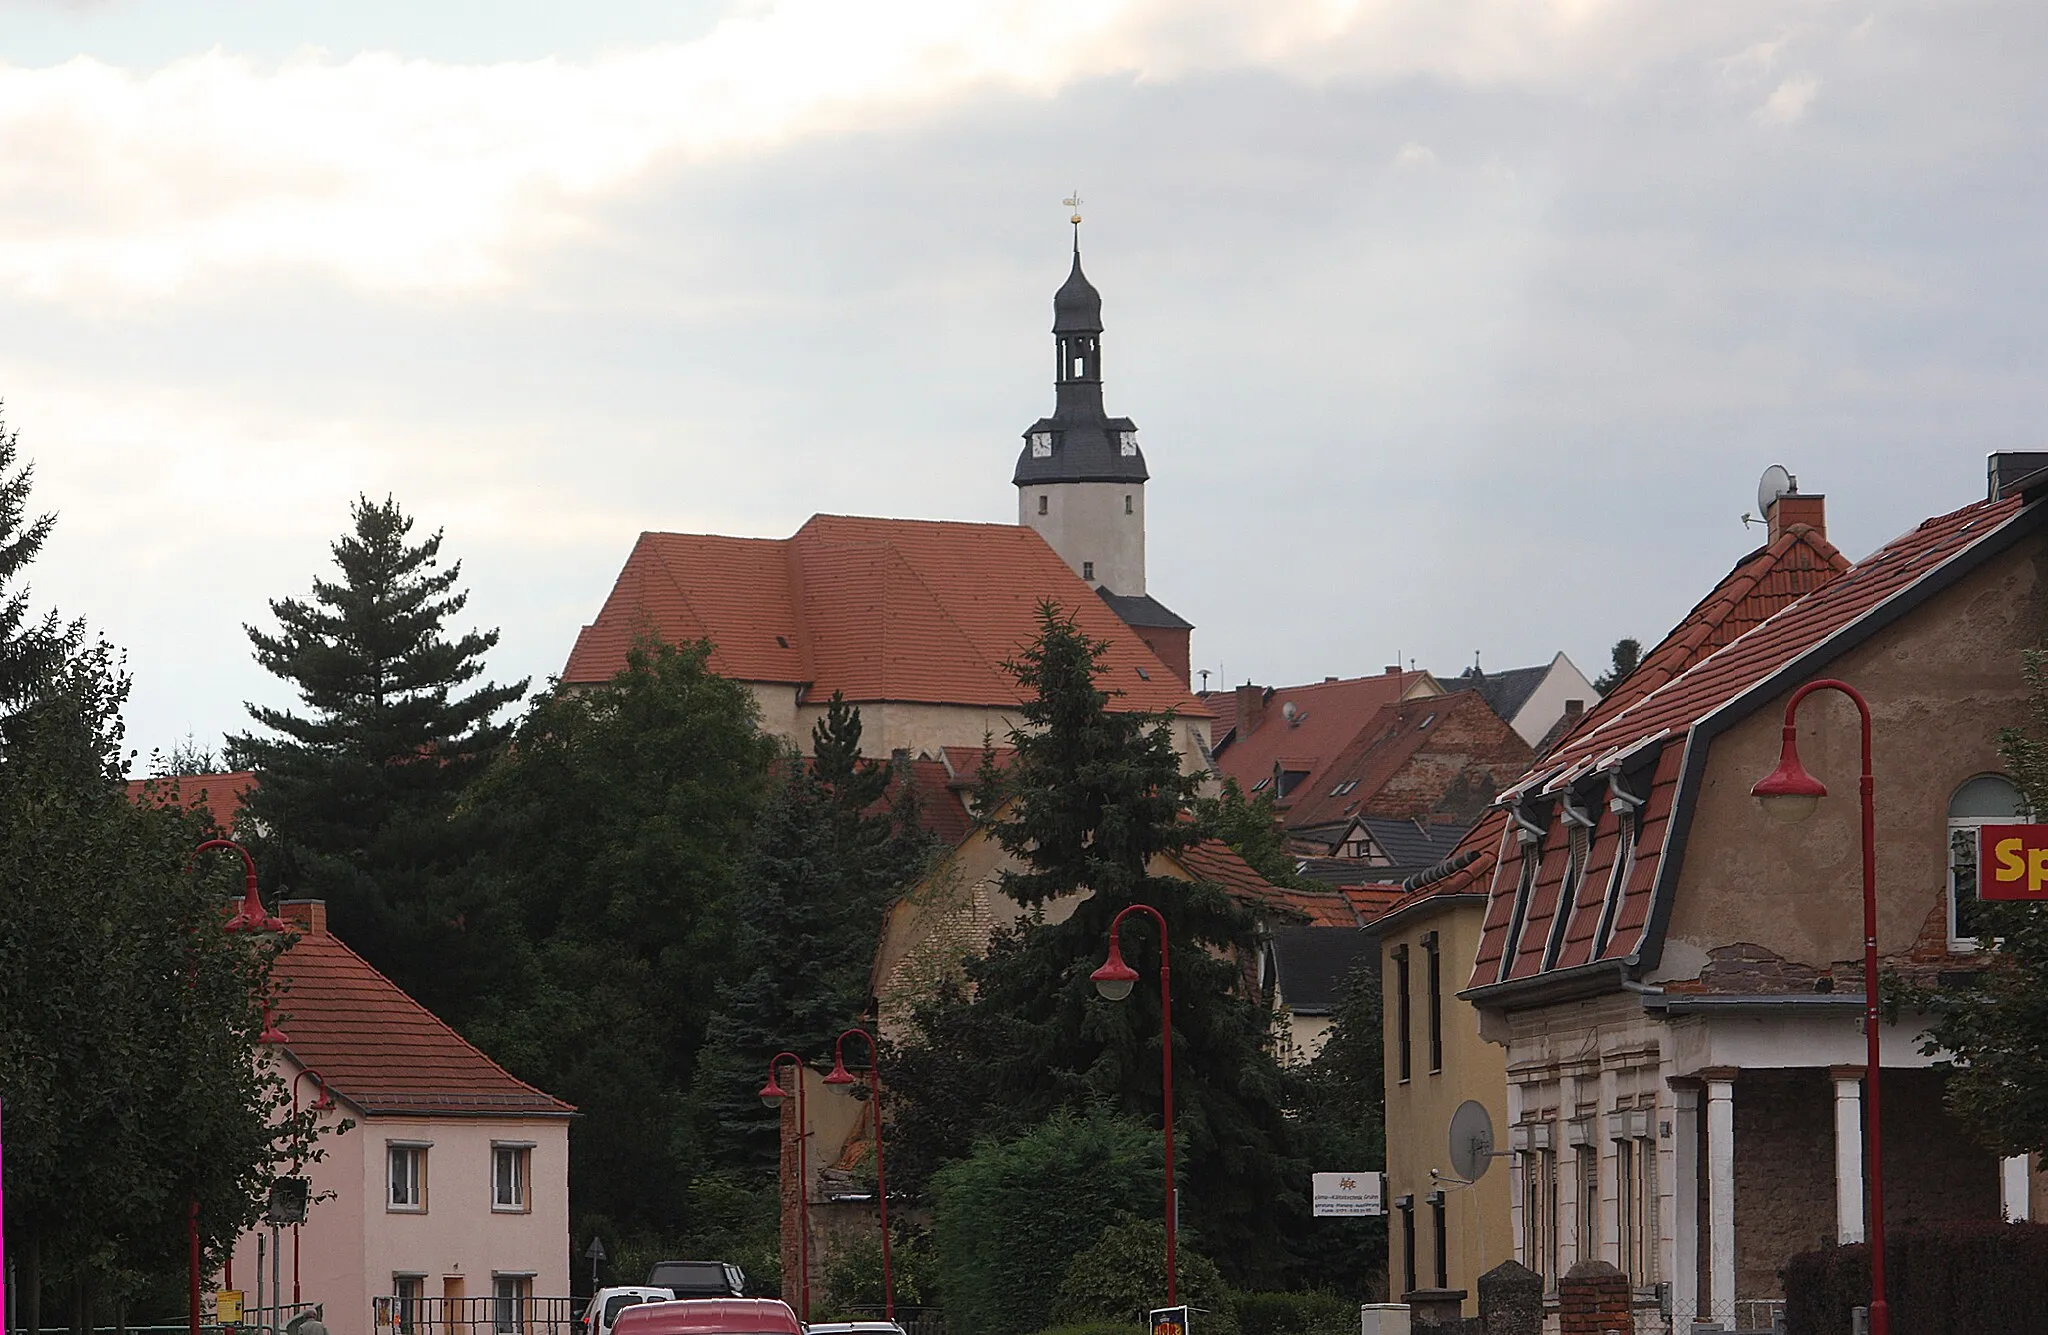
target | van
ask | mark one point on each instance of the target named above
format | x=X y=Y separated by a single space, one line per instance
x=710 y=1316
x=699 y=1279
x=606 y=1304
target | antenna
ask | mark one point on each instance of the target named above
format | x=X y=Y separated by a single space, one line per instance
x=1073 y=202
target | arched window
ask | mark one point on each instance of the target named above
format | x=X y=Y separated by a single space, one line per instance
x=1988 y=799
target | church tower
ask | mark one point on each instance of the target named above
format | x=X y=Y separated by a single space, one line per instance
x=1081 y=478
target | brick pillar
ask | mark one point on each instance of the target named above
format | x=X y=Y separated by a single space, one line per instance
x=1511 y=1300
x=1593 y=1299
x=791 y=1201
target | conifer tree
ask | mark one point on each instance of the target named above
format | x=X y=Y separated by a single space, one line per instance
x=1090 y=797
x=831 y=851
x=30 y=650
x=357 y=796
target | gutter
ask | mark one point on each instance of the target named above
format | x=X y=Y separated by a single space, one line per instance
x=1710 y=1003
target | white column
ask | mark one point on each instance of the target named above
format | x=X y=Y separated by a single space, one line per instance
x=2013 y=1187
x=1517 y=1168
x=1684 y=1235
x=1610 y=1173
x=1848 y=1153
x=1721 y=1193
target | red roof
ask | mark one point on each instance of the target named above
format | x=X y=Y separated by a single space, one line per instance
x=941 y=805
x=377 y=1047
x=1658 y=720
x=1216 y=861
x=220 y=795
x=1326 y=716
x=1411 y=759
x=879 y=609
x=1372 y=900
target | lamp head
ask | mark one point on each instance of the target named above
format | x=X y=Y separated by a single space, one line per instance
x=1114 y=980
x=772 y=1093
x=272 y=1036
x=838 y=1075
x=1789 y=793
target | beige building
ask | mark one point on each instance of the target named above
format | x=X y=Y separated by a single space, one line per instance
x=1676 y=982
x=1443 y=1232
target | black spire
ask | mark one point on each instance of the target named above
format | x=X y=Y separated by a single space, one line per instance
x=1080 y=442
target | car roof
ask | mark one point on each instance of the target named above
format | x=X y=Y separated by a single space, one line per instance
x=638 y=1291
x=726 y=1316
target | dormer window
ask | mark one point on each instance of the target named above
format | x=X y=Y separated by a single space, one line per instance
x=1041 y=444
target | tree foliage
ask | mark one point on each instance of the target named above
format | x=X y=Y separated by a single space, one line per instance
x=1625 y=655
x=128 y=1017
x=1122 y=1276
x=830 y=851
x=31 y=649
x=1252 y=828
x=1008 y=1220
x=1090 y=798
x=358 y=800
x=617 y=828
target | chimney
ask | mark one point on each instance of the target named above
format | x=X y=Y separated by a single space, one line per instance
x=1574 y=708
x=308 y=915
x=2016 y=470
x=1251 y=708
x=1798 y=508
x=1393 y=669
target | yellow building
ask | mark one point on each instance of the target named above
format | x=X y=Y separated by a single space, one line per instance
x=1442 y=1232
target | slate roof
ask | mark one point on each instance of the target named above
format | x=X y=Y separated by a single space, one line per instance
x=377 y=1047
x=222 y=795
x=1142 y=609
x=1313 y=962
x=1505 y=692
x=1766 y=633
x=881 y=609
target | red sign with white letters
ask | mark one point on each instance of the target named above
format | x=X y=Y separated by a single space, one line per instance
x=2012 y=862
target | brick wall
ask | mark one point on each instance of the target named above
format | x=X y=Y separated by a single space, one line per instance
x=1593 y=1299
x=1784 y=1172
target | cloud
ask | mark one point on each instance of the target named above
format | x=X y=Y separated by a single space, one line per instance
x=1415 y=155
x=1789 y=100
x=414 y=175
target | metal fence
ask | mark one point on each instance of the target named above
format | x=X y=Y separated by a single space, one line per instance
x=477 y=1316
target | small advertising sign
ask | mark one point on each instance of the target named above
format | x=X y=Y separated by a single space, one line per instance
x=2012 y=862
x=1169 y=1321
x=227 y=1307
x=1347 y=1193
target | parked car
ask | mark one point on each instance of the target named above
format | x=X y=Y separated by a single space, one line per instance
x=699 y=1279
x=606 y=1304
x=710 y=1316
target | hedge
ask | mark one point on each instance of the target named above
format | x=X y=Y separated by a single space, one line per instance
x=1963 y=1279
x=1283 y=1313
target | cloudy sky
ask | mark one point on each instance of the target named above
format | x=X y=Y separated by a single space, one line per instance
x=1450 y=325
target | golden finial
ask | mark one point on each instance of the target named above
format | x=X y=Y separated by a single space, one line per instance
x=1073 y=202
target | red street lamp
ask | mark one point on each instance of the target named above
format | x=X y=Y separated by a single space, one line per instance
x=1790 y=794
x=773 y=1095
x=323 y=1102
x=841 y=1076
x=1114 y=981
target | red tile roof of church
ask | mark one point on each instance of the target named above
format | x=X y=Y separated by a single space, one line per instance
x=880 y=609
x=377 y=1047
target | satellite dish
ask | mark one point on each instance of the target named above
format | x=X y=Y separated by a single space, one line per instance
x=1471 y=1140
x=1289 y=712
x=1774 y=483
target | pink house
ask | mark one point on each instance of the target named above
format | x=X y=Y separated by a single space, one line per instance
x=445 y=1207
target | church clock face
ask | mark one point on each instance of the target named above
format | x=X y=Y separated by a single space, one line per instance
x=1128 y=442
x=1041 y=445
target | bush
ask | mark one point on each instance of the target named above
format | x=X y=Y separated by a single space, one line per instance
x=853 y=1278
x=1096 y=1328
x=1123 y=1276
x=1294 y=1313
x=1008 y=1219
x=1965 y=1279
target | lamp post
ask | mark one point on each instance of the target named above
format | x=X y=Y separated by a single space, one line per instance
x=773 y=1095
x=1790 y=794
x=248 y=917
x=322 y=1102
x=1114 y=981
x=841 y=1076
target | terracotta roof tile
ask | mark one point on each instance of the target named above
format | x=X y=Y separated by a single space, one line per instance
x=1213 y=860
x=377 y=1047
x=880 y=609
x=1327 y=716
x=222 y=795
x=1412 y=757
x=1750 y=627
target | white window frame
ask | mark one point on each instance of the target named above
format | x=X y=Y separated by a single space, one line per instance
x=416 y=1152
x=520 y=1154
x=1962 y=838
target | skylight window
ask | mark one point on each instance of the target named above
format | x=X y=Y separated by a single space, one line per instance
x=1262 y=783
x=1144 y=674
x=1343 y=788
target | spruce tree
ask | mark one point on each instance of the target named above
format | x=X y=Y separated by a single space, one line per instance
x=30 y=650
x=358 y=796
x=1090 y=797
x=832 y=850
